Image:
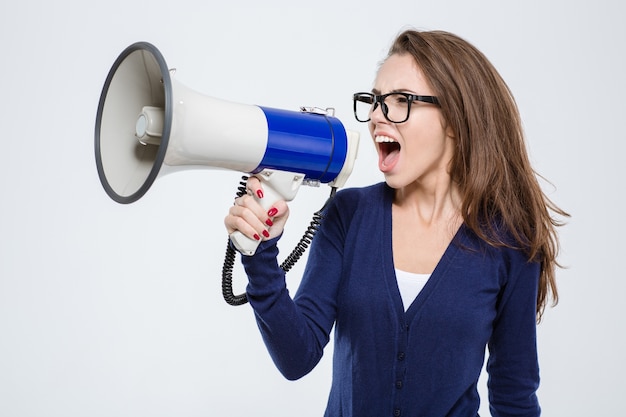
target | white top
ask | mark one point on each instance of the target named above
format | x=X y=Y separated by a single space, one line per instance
x=410 y=285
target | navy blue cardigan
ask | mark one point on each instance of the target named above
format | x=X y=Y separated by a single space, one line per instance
x=422 y=363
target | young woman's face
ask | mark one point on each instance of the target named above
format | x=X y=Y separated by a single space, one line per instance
x=419 y=150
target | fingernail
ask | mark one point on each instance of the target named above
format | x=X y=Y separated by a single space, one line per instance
x=257 y=237
x=273 y=211
x=259 y=193
x=266 y=233
x=269 y=222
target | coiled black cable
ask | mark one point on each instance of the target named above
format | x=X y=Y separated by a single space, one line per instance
x=286 y=265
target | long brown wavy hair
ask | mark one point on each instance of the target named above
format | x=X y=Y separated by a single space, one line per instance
x=499 y=187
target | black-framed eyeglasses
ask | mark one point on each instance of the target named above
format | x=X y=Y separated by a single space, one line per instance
x=396 y=107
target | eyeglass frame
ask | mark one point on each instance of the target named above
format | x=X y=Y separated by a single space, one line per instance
x=380 y=99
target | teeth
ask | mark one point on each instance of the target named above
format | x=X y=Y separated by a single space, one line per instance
x=382 y=139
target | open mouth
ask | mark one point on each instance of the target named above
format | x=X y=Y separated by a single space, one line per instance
x=389 y=149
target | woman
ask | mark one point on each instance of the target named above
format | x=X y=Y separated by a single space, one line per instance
x=453 y=253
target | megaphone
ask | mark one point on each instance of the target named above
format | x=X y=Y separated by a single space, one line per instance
x=149 y=125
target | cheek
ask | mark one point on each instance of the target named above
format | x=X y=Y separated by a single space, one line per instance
x=427 y=141
x=370 y=127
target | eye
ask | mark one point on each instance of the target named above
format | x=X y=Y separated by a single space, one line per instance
x=399 y=99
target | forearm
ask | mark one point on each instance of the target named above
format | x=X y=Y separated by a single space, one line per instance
x=287 y=332
x=513 y=363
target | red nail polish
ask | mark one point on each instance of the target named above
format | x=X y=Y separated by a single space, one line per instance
x=273 y=211
x=269 y=222
x=259 y=193
x=266 y=233
x=257 y=237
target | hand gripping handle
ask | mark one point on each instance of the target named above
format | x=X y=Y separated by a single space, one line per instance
x=277 y=185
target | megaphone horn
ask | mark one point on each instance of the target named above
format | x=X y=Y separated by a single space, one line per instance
x=149 y=125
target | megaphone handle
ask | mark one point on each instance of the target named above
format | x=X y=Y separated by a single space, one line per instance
x=277 y=185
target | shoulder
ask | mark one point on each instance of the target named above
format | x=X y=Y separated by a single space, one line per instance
x=358 y=197
x=356 y=206
x=508 y=260
x=499 y=237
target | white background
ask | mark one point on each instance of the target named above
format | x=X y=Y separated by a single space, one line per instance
x=116 y=310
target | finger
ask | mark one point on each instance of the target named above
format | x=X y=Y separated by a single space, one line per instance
x=247 y=216
x=278 y=210
x=277 y=216
x=249 y=202
x=254 y=187
x=236 y=223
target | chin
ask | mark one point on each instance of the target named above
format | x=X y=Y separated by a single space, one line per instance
x=393 y=182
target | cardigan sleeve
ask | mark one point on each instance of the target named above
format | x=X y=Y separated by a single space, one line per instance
x=295 y=331
x=513 y=363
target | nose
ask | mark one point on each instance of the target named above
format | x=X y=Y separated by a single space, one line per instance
x=377 y=114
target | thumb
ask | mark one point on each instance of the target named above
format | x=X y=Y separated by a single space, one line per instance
x=277 y=218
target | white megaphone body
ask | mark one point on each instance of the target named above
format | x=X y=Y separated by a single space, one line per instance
x=149 y=125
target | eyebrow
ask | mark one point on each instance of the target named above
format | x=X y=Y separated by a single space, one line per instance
x=378 y=92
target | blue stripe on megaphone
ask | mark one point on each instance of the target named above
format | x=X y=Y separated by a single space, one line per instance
x=308 y=143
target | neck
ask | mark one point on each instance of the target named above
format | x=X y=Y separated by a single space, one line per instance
x=431 y=204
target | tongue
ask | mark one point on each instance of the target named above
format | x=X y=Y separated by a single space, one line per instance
x=389 y=160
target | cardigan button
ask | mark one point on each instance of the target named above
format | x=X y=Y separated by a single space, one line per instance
x=397 y=412
x=399 y=384
x=401 y=356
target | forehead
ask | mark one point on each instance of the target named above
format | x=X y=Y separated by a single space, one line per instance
x=401 y=73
